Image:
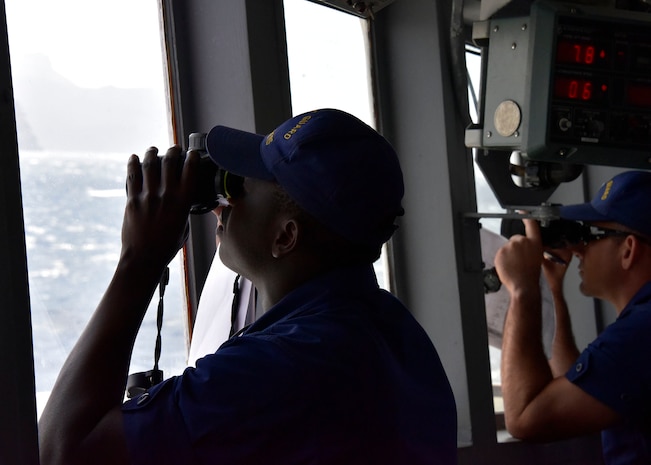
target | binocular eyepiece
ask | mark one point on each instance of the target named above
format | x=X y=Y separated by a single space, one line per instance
x=216 y=185
x=554 y=234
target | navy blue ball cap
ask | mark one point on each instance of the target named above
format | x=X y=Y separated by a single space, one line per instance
x=235 y=150
x=625 y=199
x=333 y=165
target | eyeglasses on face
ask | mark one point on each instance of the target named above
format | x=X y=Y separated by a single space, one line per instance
x=590 y=233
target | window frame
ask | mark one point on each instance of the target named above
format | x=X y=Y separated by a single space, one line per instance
x=251 y=93
x=19 y=438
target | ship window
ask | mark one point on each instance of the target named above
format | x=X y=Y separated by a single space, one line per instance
x=330 y=70
x=88 y=83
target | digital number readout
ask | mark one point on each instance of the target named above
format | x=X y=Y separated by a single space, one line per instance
x=580 y=53
x=599 y=94
x=578 y=88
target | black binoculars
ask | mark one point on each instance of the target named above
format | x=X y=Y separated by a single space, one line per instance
x=216 y=185
x=554 y=234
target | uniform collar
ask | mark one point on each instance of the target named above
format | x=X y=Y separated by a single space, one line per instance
x=642 y=296
x=340 y=282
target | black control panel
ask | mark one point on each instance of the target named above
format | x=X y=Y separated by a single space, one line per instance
x=570 y=83
x=600 y=90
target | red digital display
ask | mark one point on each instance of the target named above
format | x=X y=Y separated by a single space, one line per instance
x=580 y=53
x=579 y=88
x=600 y=87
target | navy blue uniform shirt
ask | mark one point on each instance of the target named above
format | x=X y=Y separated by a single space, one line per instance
x=616 y=369
x=337 y=372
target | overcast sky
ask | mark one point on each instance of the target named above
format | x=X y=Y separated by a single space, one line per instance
x=95 y=43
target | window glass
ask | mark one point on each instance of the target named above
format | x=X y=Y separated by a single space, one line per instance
x=330 y=70
x=89 y=90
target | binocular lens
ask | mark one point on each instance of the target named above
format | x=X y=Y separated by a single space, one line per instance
x=216 y=185
x=232 y=185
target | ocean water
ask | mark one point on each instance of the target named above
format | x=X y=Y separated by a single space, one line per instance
x=73 y=206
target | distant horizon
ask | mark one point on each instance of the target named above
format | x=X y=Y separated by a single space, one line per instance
x=44 y=152
x=107 y=119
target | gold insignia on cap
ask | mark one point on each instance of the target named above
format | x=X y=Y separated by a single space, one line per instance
x=270 y=138
x=609 y=184
x=288 y=135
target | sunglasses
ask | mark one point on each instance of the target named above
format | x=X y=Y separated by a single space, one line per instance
x=590 y=233
x=566 y=233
